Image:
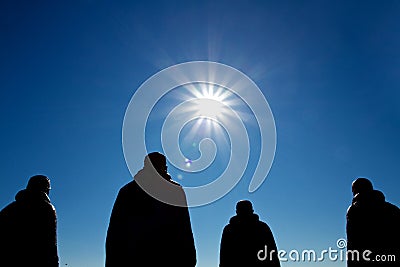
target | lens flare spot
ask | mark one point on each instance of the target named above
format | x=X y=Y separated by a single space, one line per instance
x=188 y=163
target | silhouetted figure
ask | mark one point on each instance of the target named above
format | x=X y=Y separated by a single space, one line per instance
x=28 y=235
x=144 y=231
x=246 y=240
x=372 y=224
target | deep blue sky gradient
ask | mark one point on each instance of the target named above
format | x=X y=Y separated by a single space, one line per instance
x=329 y=70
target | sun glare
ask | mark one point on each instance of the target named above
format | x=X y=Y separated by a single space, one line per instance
x=211 y=91
x=210 y=100
x=213 y=106
x=210 y=108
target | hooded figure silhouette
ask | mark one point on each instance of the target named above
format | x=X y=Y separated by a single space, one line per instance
x=243 y=239
x=144 y=231
x=373 y=225
x=28 y=235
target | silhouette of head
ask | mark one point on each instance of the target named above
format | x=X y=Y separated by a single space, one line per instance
x=244 y=207
x=157 y=161
x=39 y=183
x=361 y=185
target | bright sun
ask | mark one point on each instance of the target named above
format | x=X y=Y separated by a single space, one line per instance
x=211 y=101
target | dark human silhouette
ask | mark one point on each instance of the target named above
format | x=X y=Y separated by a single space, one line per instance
x=28 y=234
x=372 y=224
x=247 y=241
x=144 y=231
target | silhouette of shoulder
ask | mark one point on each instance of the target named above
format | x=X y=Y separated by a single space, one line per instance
x=175 y=183
x=134 y=186
x=247 y=224
x=369 y=202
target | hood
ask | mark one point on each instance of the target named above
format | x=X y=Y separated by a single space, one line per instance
x=247 y=219
x=31 y=196
x=374 y=197
x=165 y=190
x=149 y=174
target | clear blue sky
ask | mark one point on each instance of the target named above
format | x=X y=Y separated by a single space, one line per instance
x=329 y=70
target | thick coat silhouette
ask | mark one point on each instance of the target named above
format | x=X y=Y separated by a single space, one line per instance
x=144 y=231
x=373 y=224
x=28 y=231
x=243 y=238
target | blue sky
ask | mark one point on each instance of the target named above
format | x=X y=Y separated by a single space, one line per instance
x=329 y=70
